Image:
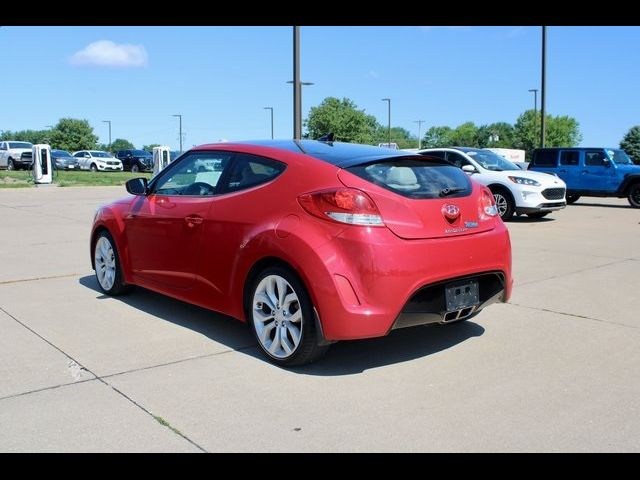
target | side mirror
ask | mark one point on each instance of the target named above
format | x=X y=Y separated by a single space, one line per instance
x=468 y=169
x=137 y=186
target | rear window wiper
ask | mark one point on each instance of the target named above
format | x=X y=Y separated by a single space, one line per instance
x=445 y=192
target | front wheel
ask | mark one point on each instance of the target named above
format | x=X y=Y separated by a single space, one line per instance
x=634 y=195
x=504 y=203
x=93 y=167
x=572 y=199
x=135 y=168
x=537 y=214
x=10 y=165
x=281 y=317
x=107 y=265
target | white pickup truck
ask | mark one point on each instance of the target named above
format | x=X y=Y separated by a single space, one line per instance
x=15 y=155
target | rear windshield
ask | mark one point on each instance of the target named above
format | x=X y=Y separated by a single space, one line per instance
x=416 y=178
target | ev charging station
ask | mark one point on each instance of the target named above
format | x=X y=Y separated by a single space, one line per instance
x=161 y=158
x=42 y=171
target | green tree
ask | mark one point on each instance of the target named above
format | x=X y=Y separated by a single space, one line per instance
x=121 y=144
x=560 y=131
x=73 y=134
x=464 y=135
x=437 y=137
x=33 y=136
x=496 y=135
x=399 y=135
x=149 y=148
x=344 y=119
x=631 y=143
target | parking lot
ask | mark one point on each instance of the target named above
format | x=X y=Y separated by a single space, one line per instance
x=556 y=369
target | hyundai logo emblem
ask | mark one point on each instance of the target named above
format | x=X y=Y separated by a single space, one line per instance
x=450 y=212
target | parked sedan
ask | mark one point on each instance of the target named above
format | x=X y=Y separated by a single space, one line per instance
x=309 y=242
x=97 y=160
x=63 y=160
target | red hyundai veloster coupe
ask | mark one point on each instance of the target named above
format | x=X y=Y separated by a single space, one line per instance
x=310 y=242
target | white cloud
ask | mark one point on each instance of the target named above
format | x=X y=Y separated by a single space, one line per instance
x=105 y=53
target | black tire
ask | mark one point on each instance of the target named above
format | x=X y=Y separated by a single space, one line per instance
x=307 y=350
x=504 y=202
x=135 y=168
x=10 y=165
x=93 y=167
x=572 y=199
x=538 y=214
x=634 y=195
x=118 y=287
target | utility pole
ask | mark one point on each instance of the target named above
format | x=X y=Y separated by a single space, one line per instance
x=388 y=100
x=270 y=108
x=180 y=117
x=419 y=122
x=109 y=122
x=543 y=87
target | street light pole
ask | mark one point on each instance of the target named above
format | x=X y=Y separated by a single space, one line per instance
x=543 y=87
x=419 y=122
x=297 y=88
x=270 y=108
x=388 y=100
x=180 y=117
x=109 y=122
x=535 y=101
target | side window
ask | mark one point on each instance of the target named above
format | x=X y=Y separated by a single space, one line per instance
x=545 y=158
x=196 y=174
x=594 y=159
x=569 y=158
x=251 y=170
x=457 y=159
x=2 y=146
x=78 y=154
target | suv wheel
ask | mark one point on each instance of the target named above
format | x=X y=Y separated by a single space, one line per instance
x=10 y=165
x=281 y=316
x=504 y=203
x=634 y=195
x=135 y=168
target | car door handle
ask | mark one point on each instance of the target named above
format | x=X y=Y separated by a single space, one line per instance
x=193 y=220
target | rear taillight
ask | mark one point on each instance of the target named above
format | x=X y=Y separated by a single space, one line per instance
x=343 y=205
x=488 y=208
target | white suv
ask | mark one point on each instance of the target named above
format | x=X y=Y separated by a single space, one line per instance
x=97 y=160
x=516 y=191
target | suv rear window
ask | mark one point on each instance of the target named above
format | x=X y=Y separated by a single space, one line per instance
x=545 y=158
x=415 y=178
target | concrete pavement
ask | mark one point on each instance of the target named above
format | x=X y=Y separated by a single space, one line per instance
x=554 y=370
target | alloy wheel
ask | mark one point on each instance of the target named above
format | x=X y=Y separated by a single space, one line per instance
x=105 y=263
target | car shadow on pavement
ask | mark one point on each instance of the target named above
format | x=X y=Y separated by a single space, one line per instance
x=605 y=205
x=343 y=358
x=526 y=219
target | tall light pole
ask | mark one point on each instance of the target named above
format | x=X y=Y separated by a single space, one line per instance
x=297 y=88
x=543 y=84
x=270 y=108
x=180 y=117
x=297 y=120
x=535 y=101
x=109 y=122
x=388 y=100
x=419 y=122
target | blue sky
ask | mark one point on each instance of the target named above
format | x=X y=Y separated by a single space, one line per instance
x=220 y=78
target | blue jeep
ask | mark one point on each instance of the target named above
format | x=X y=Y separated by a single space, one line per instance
x=591 y=172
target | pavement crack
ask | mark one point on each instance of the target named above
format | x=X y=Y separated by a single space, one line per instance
x=34 y=279
x=575 y=315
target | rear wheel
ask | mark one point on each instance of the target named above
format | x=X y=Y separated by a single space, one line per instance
x=504 y=203
x=572 y=199
x=93 y=167
x=281 y=316
x=107 y=265
x=537 y=214
x=634 y=195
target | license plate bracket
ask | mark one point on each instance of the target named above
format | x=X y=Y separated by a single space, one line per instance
x=461 y=294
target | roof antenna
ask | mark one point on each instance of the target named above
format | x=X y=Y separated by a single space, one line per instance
x=327 y=138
